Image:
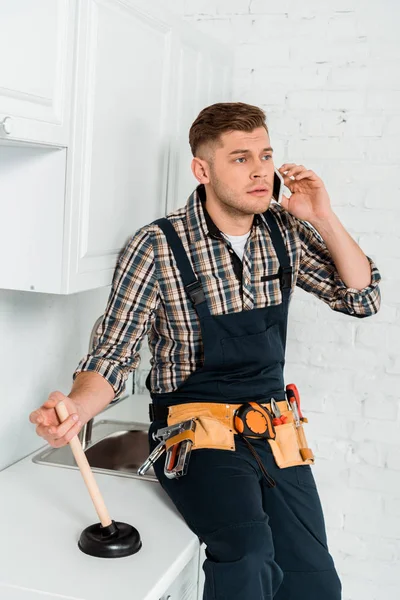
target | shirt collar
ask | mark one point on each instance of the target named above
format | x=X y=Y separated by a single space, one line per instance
x=199 y=222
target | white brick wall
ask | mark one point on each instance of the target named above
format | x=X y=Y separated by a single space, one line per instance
x=327 y=74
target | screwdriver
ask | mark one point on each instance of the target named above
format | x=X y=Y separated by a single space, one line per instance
x=294 y=398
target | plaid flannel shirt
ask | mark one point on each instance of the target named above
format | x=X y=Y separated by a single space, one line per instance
x=147 y=294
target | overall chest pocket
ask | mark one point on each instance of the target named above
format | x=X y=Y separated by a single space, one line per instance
x=250 y=360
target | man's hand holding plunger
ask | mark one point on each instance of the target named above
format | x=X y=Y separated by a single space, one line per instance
x=48 y=424
x=90 y=394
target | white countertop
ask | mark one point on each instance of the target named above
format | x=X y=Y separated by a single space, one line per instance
x=44 y=509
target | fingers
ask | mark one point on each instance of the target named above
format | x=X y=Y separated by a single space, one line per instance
x=293 y=173
x=48 y=424
x=291 y=169
x=45 y=416
x=53 y=399
x=304 y=174
x=288 y=172
x=61 y=435
x=61 y=430
x=60 y=438
x=298 y=172
x=36 y=417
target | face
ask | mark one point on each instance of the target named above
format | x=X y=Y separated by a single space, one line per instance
x=242 y=164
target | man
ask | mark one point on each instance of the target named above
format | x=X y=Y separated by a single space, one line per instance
x=212 y=293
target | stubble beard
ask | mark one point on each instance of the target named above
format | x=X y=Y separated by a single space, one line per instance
x=233 y=202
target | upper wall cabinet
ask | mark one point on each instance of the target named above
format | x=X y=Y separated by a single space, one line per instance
x=118 y=169
x=140 y=76
x=36 y=49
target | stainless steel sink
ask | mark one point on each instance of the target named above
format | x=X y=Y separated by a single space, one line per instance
x=116 y=448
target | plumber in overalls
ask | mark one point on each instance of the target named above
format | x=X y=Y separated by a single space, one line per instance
x=211 y=285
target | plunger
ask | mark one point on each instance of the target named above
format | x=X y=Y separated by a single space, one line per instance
x=107 y=539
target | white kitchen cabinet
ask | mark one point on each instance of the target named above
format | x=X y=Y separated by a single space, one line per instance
x=185 y=586
x=202 y=558
x=117 y=174
x=140 y=77
x=36 y=50
x=32 y=190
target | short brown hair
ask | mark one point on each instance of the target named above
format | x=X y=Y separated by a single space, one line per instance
x=220 y=118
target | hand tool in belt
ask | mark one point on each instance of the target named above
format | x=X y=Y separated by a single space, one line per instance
x=179 y=448
x=177 y=440
x=151 y=459
x=279 y=418
x=294 y=398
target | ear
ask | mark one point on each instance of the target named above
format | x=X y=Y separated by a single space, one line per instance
x=200 y=170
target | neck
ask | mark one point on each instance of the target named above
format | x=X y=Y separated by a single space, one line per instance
x=228 y=220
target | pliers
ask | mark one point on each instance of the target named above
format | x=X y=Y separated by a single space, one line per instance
x=279 y=419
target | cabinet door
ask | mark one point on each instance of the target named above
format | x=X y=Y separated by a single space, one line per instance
x=32 y=189
x=185 y=585
x=117 y=171
x=36 y=55
x=202 y=558
x=203 y=76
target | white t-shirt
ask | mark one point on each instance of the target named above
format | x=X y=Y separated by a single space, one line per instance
x=238 y=242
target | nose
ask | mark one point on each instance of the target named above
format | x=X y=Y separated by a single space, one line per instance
x=261 y=169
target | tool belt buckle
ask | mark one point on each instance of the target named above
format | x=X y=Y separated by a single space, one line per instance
x=178 y=455
x=253 y=420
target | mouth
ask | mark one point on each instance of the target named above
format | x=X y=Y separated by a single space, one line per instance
x=259 y=191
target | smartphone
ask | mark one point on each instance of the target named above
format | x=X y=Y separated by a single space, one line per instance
x=278 y=186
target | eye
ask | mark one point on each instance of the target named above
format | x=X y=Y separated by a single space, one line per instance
x=244 y=158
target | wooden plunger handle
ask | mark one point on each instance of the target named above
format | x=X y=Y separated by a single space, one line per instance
x=85 y=470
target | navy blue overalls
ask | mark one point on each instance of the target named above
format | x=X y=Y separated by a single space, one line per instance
x=262 y=541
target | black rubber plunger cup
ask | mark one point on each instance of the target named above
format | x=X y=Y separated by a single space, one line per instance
x=113 y=541
x=107 y=539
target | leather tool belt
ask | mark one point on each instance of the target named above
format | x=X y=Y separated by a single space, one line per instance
x=218 y=423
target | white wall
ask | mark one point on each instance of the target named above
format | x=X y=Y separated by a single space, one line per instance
x=327 y=74
x=42 y=339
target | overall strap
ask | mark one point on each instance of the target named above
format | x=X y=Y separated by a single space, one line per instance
x=285 y=268
x=191 y=283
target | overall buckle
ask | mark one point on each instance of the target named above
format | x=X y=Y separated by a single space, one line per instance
x=285 y=275
x=195 y=292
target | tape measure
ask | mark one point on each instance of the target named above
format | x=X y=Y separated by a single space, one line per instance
x=254 y=420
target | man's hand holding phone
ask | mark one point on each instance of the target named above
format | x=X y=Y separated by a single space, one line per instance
x=309 y=199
